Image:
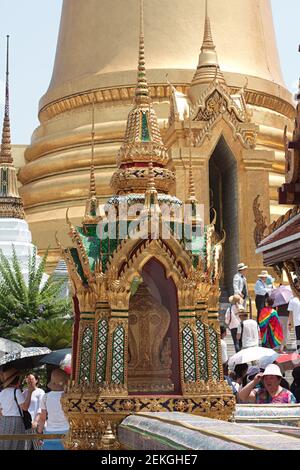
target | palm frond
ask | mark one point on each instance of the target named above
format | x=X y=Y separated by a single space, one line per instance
x=55 y=333
x=16 y=266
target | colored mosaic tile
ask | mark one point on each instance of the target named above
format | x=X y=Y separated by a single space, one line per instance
x=86 y=355
x=189 y=362
x=101 y=351
x=213 y=342
x=202 y=350
x=117 y=369
x=77 y=262
x=145 y=133
x=91 y=243
x=140 y=198
x=4 y=182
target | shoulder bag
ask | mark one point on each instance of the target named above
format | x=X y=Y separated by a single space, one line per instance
x=24 y=414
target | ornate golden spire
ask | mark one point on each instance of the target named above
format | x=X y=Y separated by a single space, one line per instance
x=142 y=142
x=11 y=205
x=91 y=210
x=208 y=68
x=192 y=191
x=142 y=94
x=6 y=156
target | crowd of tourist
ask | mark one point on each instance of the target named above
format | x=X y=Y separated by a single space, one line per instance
x=31 y=410
x=278 y=311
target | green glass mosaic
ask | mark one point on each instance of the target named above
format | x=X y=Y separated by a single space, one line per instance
x=4 y=182
x=202 y=350
x=189 y=362
x=86 y=355
x=213 y=342
x=101 y=351
x=91 y=243
x=77 y=262
x=145 y=133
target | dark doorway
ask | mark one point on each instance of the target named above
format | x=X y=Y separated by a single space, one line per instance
x=223 y=188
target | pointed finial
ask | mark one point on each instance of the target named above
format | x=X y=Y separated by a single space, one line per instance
x=5 y=156
x=91 y=209
x=142 y=89
x=108 y=439
x=208 y=69
x=192 y=191
x=92 y=175
x=208 y=42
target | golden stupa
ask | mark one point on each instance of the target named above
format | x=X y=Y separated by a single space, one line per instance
x=96 y=61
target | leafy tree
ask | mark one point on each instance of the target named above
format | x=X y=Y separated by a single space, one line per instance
x=55 y=333
x=23 y=301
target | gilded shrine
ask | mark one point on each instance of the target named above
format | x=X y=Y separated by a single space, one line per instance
x=145 y=280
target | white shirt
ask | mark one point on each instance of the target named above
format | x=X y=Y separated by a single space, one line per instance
x=56 y=420
x=8 y=404
x=232 y=318
x=224 y=351
x=250 y=336
x=36 y=401
x=294 y=307
x=239 y=282
x=261 y=288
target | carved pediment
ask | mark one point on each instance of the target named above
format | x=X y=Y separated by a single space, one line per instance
x=216 y=103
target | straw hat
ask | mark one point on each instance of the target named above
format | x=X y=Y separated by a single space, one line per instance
x=58 y=380
x=9 y=376
x=241 y=267
x=272 y=369
x=263 y=274
x=235 y=299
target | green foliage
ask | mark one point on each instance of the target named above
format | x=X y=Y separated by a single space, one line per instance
x=55 y=333
x=22 y=302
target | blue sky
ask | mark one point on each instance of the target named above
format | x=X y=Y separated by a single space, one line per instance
x=33 y=26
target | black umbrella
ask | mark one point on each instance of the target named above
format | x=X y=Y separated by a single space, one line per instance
x=26 y=358
x=55 y=358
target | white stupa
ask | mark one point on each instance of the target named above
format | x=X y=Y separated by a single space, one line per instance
x=14 y=230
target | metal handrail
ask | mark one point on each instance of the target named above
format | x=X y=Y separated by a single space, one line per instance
x=30 y=437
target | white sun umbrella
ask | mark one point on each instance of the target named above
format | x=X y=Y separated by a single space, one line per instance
x=7 y=346
x=256 y=353
x=26 y=358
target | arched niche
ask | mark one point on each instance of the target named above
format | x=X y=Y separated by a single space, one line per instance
x=153 y=333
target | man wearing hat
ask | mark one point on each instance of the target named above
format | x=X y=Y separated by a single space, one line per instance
x=240 y=286
x=261 y=292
